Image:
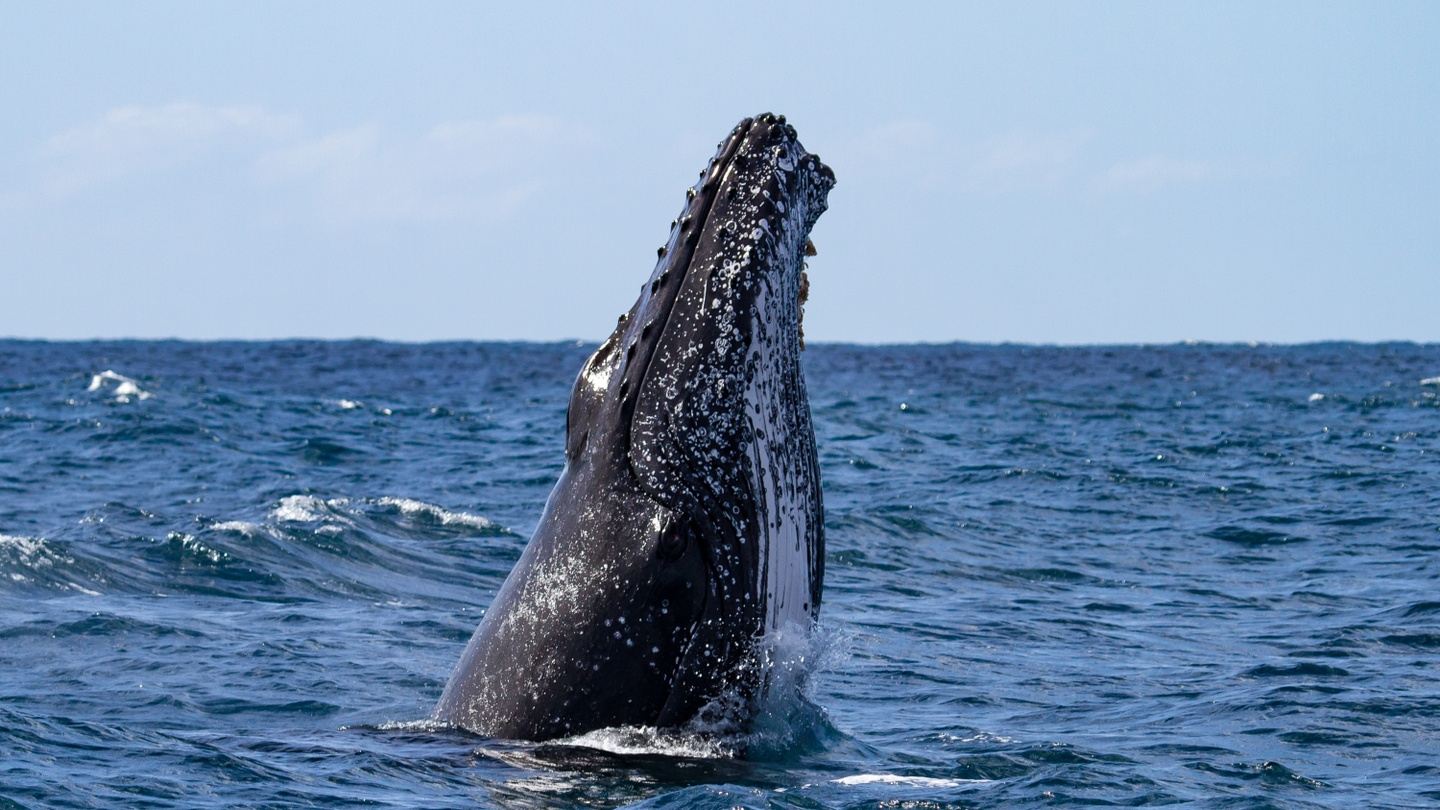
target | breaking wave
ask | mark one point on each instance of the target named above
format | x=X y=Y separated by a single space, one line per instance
x=33 y=561
x=429 y=511
x=121 y=387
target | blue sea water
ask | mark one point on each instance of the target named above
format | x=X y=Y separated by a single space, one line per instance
x=238 y=574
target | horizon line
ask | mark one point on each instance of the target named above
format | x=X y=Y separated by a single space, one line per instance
x=854 y=343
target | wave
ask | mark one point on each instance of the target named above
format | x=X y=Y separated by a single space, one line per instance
x=125 y=388
x=33 y=561
x=648 y=740
x=307 y=509
x=910 y=781
x=429 y=511
x=786 y=721
x=425 y=726
x=358 y=547
x=239 y=527
x=313 y=509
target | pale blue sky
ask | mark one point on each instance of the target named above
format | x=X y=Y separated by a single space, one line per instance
x=1063 y=172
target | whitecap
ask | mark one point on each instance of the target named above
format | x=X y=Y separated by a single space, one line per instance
x=782 y=717
x=304 y=508
x=1430 y=381
x=125 y=387
x=897 y=779
x=25 y=549
x=427 y=725
x=412 y=507
x=32 y=554
x=633 y=740
x=349 y=404
x=1316 y=397
x=977 y=737
x=195 y=548
x=241 y=526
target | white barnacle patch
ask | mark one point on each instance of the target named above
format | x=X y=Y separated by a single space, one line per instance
x=598 y=377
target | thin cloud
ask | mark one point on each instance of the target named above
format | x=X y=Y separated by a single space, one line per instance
x=1026 y=160
x=136 y=139
x=460 y=170
x=1149 y=174
x=910 y=150
x=469 y=170
x=895 y=138
x=920 y=153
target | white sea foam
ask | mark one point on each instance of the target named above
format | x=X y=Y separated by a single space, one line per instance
x=428 y=725
x=125 y=387
x=412 y=507
x=243 y=527
x=25 y=549
x=785 y=717
x=979 y=736
x=33 y=553
x=1430 y=381
x=305 y=508
x=195 y=548
x=349 y=404
x=897 y=779
x=310 y=509
x=632 y=740
x=1316 y=397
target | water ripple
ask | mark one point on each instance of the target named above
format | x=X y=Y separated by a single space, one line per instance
x=237 y=574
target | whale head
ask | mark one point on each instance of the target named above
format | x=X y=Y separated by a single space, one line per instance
x=703 y=375
x=687 y=524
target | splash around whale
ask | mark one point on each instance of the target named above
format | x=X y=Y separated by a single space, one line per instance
x=686 y=529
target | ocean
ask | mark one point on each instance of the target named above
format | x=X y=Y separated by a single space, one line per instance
x=238 y=574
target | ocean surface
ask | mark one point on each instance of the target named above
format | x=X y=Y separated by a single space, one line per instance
x=238 y=575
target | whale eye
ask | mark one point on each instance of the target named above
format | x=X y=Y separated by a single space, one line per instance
x=673 y=534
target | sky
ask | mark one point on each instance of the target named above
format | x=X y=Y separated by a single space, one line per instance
x=1027 y=172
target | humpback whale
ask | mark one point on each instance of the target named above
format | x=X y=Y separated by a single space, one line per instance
x=687 y=525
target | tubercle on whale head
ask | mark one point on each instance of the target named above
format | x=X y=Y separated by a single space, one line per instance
x=761 y=185
x=756 y=204
x=760 y=177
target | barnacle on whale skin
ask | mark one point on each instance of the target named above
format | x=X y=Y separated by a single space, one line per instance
x=803 y=297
